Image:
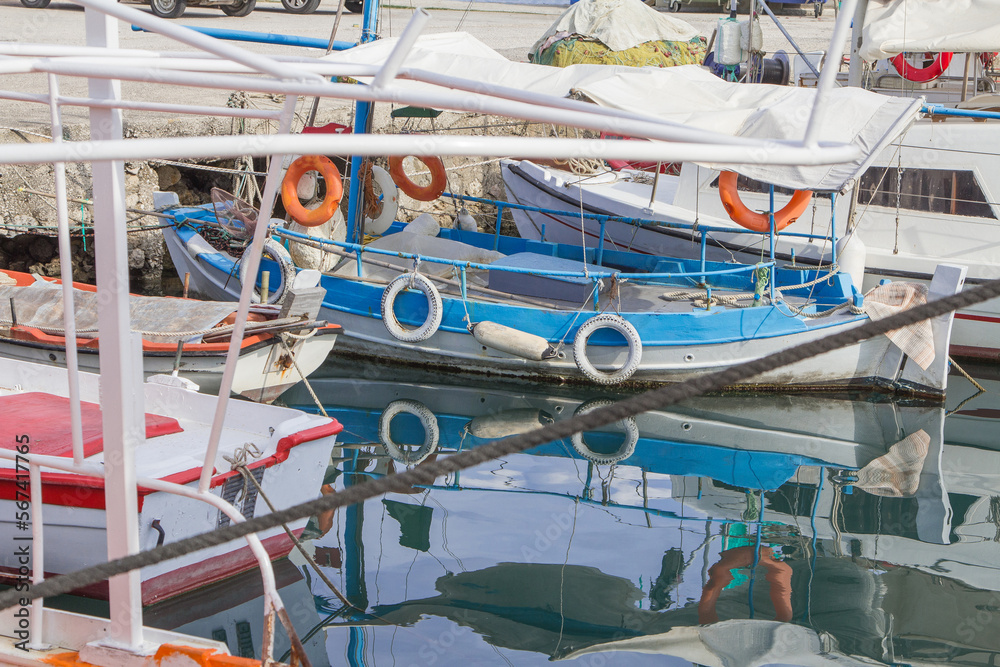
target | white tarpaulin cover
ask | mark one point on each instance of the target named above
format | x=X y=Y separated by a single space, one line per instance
x=620 y=24
x=687 y=94
x=895 y=26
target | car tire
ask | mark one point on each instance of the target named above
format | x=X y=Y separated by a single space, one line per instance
x=300 y=6
x=818 y=9
x=674 y=6
x=354 y=7
x=241 y=8
x=36 y=4
x=168 y=9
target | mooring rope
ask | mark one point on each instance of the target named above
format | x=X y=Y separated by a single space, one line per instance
x=426 y=473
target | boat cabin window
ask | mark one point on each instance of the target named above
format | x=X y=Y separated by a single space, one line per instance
x=933 y=190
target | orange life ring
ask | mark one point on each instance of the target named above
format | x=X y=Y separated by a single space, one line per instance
x=759 y=222
x=922 y=74
x=426 y=193
x=778 y=577
x=289 y=190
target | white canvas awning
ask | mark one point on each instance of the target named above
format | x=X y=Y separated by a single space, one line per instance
x=688 y=95
x=895 y=26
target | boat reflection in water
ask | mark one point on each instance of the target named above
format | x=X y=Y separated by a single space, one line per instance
x=733 y=530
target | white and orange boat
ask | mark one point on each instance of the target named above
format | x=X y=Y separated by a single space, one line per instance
x=184 y=337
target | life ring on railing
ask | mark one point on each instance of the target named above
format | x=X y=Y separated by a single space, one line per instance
x=289 y=190
x=627 y=447
x=619 y=324
x=427 y=420
x=434 y=308
x=759 y=222
x=778 y=577
x=277 y=252
x=429 y=192
x=922 y=74
x=390 y=201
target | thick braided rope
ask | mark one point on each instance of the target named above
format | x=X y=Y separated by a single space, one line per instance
x=426 y=473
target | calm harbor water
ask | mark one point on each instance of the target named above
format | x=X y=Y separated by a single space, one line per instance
x=735 y=530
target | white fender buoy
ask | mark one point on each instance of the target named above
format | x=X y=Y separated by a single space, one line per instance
x=512 y=341
x=851 y=257
x=507 y=423
x=390 y=203
x=277 y=252
x=627 y=447
x=435 y=309
x=619 y=324
x=427 y=420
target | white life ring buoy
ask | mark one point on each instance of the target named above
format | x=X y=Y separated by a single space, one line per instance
x=277 y=252
x=434 y=308
x=390 y=202
x=622 y=326
x=627 y=447
x=427 y=420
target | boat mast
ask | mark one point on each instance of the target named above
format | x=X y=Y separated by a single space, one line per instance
x=123 y=420
x=362 y=125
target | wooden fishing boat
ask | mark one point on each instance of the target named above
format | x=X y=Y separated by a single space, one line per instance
x=182 y=336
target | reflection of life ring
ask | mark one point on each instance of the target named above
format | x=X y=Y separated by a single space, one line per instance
x=627 y=447
x=622 y=326
x=434 y=308
x=277 y=252
x=922 y=74
x=426 y=193
x=759 y=222
x=289 y=190
x=427 y=420
x=778 y=577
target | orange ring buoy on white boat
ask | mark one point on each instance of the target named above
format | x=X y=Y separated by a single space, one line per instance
x=289 y=190
x=759 y=222
x=922 y=74
x=778 y=577
x=430 y=192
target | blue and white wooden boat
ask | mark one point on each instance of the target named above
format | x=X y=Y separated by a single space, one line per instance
x=548 y=299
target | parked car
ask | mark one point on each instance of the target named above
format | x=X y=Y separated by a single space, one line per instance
x=171 y=9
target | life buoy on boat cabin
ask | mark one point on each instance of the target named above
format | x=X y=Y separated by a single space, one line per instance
x=922 y=74
x=289 y=190
x=429 y=192
x=752 y=220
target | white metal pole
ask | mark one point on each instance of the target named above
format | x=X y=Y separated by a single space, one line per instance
x=66 y=274
x=402 y=48
x=828 y=77
x=857 y=27
x=122 y=420
x=37 y=555
x=252 y=258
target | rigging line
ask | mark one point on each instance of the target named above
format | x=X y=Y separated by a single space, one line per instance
x=562 y=578
x=426 y=473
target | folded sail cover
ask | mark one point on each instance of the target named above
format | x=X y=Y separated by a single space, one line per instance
x=687 y=95
x=895 y=26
